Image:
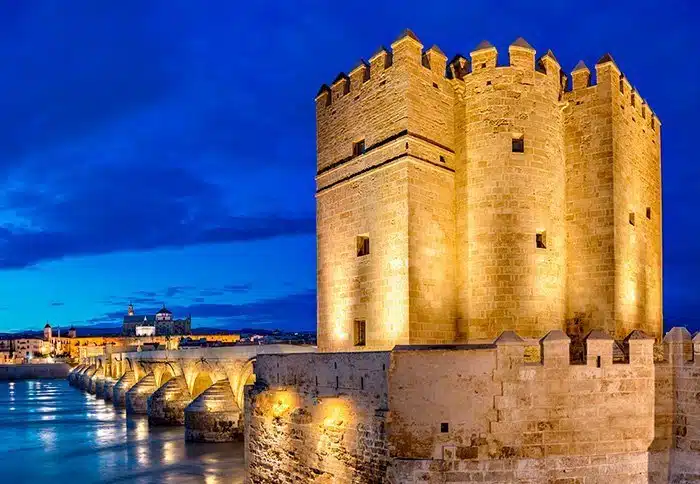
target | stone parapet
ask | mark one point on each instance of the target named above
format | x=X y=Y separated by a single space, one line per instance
x=451 y=413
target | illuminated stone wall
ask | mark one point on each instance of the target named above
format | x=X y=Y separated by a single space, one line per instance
x=510 y=196
x=452 y=212
x=485 y=415
x=317 y=418
x=675 y=452
x=399 y=192
x=613 y=170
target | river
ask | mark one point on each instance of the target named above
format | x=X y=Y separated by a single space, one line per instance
x=52 y=432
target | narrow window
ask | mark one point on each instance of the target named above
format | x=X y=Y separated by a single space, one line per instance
x=358 y=147
x=541 y=240
x=360 y=332
x=435 y=85
x=649 y=213
x=632 y=98
x=519 y=144
x=598 y=362
x=388 y=60
x=442 y=159
x=337 y=383
x=362 y=245
x=316 y=380
x=346 y=87
x=444 y=427
x=631 y=218
x=362 y=383
x=622 y=84
x=366 y=75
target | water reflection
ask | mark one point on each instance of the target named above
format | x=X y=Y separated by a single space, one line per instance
x=62 y=432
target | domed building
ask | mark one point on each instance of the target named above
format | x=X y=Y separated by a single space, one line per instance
x=162 y=321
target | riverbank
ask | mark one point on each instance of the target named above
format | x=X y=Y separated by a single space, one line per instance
x=38 y=371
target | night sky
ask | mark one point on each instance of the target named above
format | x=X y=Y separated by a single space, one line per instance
x=164 y=151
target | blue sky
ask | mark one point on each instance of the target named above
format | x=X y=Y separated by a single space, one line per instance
x=163 y=151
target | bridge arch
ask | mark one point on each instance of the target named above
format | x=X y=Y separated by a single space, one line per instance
x=245 y=377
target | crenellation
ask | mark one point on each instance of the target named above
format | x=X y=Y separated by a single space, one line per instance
x=483 y=56
x=580 y=77
x=435 y=60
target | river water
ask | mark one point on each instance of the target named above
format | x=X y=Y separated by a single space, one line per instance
x=52 y=432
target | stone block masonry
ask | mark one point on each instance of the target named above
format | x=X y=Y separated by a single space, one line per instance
x=492 y=198
x=454 y=413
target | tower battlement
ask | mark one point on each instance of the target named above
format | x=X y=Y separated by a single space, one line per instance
x=459 y=199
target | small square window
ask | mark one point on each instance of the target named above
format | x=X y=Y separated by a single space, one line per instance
x=649 y=213
x=444 y=427
x=488 y=83
x=519 y=144
x=360 y=332
x=483 y=65
x=442 y=159
x=631 y=218
x=362 y=245
x=541 y=240
x=358 y=147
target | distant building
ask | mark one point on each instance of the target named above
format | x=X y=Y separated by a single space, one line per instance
x=47 y=332
x=72 y=333
x=162 y=321
x=145 y=330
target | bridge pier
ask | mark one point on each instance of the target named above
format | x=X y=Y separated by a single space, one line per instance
x=122 y=386
x=97 y=383
x=75 y=374
x=137 y=396
x=108 y=389
x=86 y=377
x=166 y=406
x=214 y=415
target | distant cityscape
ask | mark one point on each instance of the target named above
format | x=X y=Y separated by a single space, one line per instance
x=138 y=332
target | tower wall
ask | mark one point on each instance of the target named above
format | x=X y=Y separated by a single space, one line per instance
x=613 y=176
x=589 y=213
x=399 y=193
x=511 y=196
x=469 y=237
x=637 y=179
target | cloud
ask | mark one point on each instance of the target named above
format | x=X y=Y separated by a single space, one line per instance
x=173 y=291
x=237 y=288
x=56 y=303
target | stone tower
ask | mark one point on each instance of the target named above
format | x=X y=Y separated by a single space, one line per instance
x=47 y=332
x=458 y=201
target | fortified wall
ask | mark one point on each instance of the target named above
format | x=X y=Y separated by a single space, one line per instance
x=457 y=200
x=459 y=413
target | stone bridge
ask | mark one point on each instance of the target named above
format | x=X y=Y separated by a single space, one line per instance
x=202 y=388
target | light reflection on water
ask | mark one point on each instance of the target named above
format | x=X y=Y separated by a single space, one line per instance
x=51 y=432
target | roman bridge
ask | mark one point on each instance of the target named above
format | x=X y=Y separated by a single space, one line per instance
x=202 y=388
